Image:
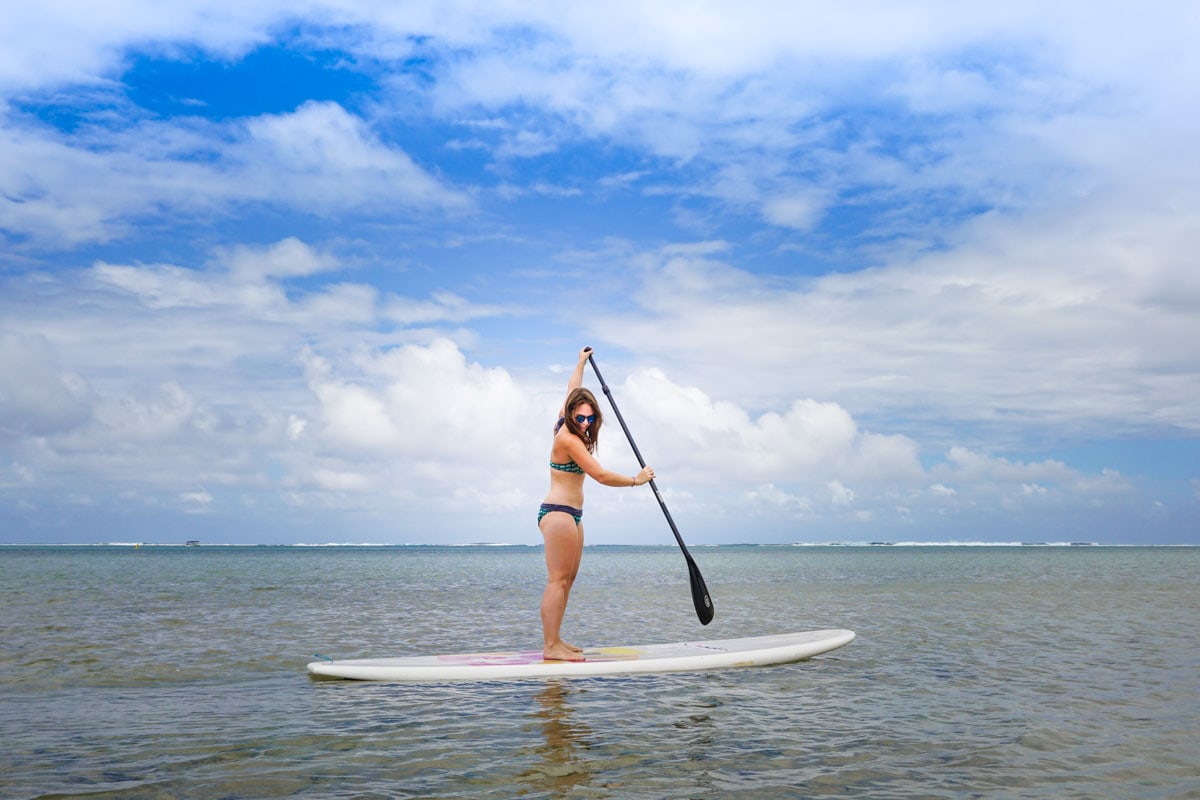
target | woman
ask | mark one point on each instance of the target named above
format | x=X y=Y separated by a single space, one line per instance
x=561 y=515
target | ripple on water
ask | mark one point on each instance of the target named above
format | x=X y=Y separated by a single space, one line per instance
x=986 y=673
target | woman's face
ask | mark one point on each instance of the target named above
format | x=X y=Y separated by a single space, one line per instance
x=584 y=415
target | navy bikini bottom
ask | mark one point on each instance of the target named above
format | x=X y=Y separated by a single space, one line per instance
x=546 y=508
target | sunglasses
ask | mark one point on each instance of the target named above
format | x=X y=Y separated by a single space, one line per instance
x=580 y=418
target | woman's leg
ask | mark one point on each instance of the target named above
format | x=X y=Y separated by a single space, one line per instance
x=575 y=572
x=564 y=549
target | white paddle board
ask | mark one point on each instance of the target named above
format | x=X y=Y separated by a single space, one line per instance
x=754 y=651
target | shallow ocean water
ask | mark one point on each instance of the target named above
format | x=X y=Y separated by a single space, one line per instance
x=997 y=672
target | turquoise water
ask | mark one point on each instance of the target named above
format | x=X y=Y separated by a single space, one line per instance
x=996 y=672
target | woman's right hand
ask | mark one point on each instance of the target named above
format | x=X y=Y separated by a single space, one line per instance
x=643 y=477
x=584 y=354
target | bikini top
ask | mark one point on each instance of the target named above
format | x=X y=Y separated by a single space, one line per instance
x=570 y=466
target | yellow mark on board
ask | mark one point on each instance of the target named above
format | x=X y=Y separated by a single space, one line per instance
x=617 y=651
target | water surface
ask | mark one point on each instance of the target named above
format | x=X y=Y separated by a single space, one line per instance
x=1024 y=672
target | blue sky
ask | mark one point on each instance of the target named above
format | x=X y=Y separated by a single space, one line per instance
x=317 y=272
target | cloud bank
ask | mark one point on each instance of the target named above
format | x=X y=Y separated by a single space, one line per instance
x=862 y=272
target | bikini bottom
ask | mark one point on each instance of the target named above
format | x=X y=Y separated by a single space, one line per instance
x=546 y=508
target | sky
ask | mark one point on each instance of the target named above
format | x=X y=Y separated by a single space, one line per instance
x=318 y=272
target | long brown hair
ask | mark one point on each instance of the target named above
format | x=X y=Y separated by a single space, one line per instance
x=575 y=399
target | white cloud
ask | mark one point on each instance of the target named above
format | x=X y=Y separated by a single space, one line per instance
x=247 y=282
x=797 y=212
x=324 y=158
x=421 y=429
x=343 y=481
x=295 y=427
x=1021 y=179
x=155 y=376
x=973 y=466
x=840 y=495
x=993 y=108
x=419 y=403
x=771 y=495
x=171 y=415
x=198 y=502
x=45 y=47
x=287 y=258
x=707 y=440
x=38 y=397
x=160 y=286
x=441 y=307
x=1025 y=323
x=317 y=159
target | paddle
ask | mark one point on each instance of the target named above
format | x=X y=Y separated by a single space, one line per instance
x=700 y=598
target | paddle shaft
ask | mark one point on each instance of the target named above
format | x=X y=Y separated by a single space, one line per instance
x=700 y=596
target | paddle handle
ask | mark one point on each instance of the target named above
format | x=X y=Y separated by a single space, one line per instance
x=700 y=597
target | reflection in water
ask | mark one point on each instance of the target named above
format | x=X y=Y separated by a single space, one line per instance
x=563 y=766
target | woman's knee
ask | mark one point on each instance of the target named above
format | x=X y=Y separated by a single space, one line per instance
x=561 y=580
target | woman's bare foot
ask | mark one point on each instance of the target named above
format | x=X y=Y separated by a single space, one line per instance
x=573 y=647
x=561 y=652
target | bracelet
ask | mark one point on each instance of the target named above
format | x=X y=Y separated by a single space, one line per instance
x=633 y=481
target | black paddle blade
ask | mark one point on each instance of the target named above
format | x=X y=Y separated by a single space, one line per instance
x=700 y=598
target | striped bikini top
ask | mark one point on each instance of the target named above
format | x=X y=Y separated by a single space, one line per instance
x=570 y=466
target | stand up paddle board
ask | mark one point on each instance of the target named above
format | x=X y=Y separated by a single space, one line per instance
x=754 y=651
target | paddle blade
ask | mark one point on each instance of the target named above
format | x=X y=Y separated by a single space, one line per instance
x=700 y=598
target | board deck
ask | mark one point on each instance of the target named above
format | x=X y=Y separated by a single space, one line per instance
x=754 y=651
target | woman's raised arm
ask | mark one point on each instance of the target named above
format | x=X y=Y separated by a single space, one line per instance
x=576 y=378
